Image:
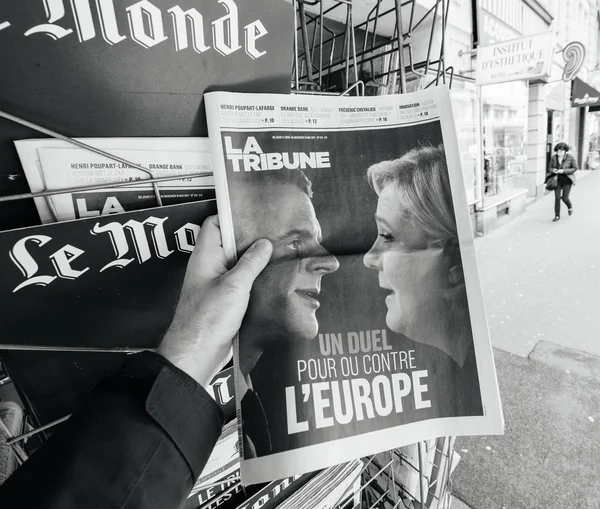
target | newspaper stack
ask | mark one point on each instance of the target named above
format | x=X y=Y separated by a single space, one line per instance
x=220 y=479
x=328 y=489
x=219 y=484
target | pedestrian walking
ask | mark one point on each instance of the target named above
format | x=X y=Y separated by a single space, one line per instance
x=561 y=177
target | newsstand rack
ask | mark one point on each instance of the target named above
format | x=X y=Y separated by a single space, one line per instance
x=345 y=48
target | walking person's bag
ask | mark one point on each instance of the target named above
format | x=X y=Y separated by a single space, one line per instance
x=552 y=182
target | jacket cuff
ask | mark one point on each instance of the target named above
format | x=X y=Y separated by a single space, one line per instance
x=180 y=406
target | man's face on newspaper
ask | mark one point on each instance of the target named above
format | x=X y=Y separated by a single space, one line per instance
x=285 y=297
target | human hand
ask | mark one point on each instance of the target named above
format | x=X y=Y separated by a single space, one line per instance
x=212 y=304
x=554 y=170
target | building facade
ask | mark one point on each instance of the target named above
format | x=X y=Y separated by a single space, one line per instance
x=521 y=121
x=502 y=162
x=507 y=130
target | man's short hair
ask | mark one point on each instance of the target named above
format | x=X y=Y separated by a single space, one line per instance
x=274 y=177
x=561 y=146
x=241 y=187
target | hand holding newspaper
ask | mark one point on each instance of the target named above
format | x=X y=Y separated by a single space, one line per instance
x=367 y=330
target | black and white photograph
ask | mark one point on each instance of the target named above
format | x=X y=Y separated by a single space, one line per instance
x=299 y=254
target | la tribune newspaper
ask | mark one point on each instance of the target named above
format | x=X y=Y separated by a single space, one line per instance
x=367 y=329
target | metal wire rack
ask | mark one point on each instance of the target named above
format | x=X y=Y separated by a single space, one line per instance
x=54 y=134
x=413 y=477
x=397 y=47
x=392 y=47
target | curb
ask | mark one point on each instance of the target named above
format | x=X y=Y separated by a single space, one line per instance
x=457 y=503
x=567 y=359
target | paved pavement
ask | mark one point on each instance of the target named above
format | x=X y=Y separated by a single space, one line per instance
x=548 y=457
x=541 y=280
x=541 y=284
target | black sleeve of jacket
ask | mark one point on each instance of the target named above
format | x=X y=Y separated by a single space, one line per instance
x=572 y=166
x=140 y=441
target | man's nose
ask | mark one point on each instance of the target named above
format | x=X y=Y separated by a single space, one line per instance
x=322 y=262
x=372 y=258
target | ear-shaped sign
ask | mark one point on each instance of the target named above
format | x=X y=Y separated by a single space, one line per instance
x=574 y=55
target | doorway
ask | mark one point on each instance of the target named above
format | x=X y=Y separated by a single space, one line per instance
x=549 y=138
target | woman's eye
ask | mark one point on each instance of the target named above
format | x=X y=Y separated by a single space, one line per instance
x=386 y=236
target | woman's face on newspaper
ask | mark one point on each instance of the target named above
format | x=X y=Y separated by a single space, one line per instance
x=411 y=270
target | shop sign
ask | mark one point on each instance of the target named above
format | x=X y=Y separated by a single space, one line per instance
x=525 y=58
x=573 y=55
x=583 y=94
x=492 y=29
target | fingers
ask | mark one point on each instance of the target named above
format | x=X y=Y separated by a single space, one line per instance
x=210 y=233
x=251 y=264
x=208 y=242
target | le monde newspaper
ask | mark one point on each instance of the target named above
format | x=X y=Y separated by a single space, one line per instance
x=367 y=329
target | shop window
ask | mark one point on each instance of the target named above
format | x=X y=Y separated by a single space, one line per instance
x=465 y=108
x=504 y=140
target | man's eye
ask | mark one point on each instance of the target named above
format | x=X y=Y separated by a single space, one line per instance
x=294 y=245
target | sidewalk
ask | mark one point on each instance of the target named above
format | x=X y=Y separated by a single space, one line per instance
x=548 y=457
x=541 y=285
x=541 y=280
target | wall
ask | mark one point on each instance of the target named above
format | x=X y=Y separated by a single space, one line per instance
x=577 y=20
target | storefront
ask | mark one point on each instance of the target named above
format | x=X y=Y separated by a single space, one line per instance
x=593 y=124
x=514 y=56
x=585 y=107
x=465 y=107
x=557 y=106
x=504 y=127
x=513 y=119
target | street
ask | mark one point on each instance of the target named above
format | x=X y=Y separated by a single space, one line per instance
x=541 y=285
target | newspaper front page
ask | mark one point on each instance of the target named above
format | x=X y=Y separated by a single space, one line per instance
x=51 y=164
x=367 y=329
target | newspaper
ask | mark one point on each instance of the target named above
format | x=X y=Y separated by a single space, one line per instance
x=108 y=282
x=327 y=489
x=223 y=461
x=225 y=492
x=276 y=492
x=367 y=330
x=51 y=164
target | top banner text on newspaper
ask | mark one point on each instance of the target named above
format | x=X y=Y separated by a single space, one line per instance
x=317 y=116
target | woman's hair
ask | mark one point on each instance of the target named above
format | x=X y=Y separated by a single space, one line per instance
x=561 y=146
x=421 y=180
x=422 y=184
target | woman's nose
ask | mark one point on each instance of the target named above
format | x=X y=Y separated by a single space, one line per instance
x=372 y=258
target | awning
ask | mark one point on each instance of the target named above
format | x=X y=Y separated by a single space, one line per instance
x=583 y=94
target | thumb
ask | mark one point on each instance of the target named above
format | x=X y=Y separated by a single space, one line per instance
x=252 y=263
